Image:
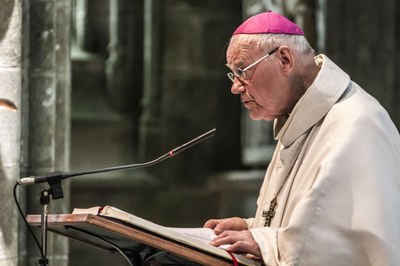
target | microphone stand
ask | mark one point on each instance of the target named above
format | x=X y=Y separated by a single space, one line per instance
x=54 y=180
x=44 y=201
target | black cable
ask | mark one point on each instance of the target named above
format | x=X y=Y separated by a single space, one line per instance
x=25 y=221
x=165 y=254
x=37 y=241
x=152 y=257
x=104 y=240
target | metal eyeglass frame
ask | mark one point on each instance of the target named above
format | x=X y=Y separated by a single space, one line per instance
x=241 y=75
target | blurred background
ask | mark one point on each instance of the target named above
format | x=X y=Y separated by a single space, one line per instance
x=102 y=83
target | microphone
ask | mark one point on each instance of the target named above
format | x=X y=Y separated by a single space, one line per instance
x=56 y=177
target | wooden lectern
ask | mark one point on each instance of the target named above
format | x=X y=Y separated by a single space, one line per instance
x=101 y=231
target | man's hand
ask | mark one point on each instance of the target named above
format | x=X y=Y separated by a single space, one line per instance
x=233 y=231
x=221 y=225
x=239 y=241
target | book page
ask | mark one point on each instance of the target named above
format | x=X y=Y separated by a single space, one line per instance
x=202 y=234
x=92 y=210
x=205 y=235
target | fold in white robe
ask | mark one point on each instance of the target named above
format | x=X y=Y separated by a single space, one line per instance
x=340 y=204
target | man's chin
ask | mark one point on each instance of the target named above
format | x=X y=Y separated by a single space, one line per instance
x=258 y=117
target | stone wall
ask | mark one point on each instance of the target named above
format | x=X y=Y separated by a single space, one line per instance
x=46 y=96
x=10 y=127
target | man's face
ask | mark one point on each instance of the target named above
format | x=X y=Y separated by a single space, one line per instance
x=265 y=91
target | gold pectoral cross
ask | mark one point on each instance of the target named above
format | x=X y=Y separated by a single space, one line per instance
x=270 y=213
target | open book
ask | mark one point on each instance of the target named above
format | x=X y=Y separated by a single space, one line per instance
x=195 y=237
x=205 y=235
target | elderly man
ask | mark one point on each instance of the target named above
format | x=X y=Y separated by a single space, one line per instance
x=331 y=194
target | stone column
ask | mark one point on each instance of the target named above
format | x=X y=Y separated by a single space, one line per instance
x=10 y=126
x=150 y=128
x=46 y=90
x=123 y=65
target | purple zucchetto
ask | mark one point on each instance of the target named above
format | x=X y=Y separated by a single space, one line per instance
x=268 y=22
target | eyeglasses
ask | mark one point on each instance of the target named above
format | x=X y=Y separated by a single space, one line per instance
x=241 y=73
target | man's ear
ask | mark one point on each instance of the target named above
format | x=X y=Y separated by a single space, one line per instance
x=285 y=57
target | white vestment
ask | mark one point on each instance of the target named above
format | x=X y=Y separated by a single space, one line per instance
x=340 y=204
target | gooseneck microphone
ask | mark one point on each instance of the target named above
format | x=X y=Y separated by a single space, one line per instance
x=57 y=176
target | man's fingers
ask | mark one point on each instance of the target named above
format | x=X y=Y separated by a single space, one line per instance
x=244 y=247
x=220 y=225
x=211 y=224
x=239 y=241
x=223 y=238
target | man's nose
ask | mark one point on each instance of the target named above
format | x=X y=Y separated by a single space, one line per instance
x=237 y=87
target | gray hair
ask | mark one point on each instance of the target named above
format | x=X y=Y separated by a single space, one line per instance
x=298 y=43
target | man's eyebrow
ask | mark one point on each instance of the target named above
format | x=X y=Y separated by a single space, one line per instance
x=235 y=65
